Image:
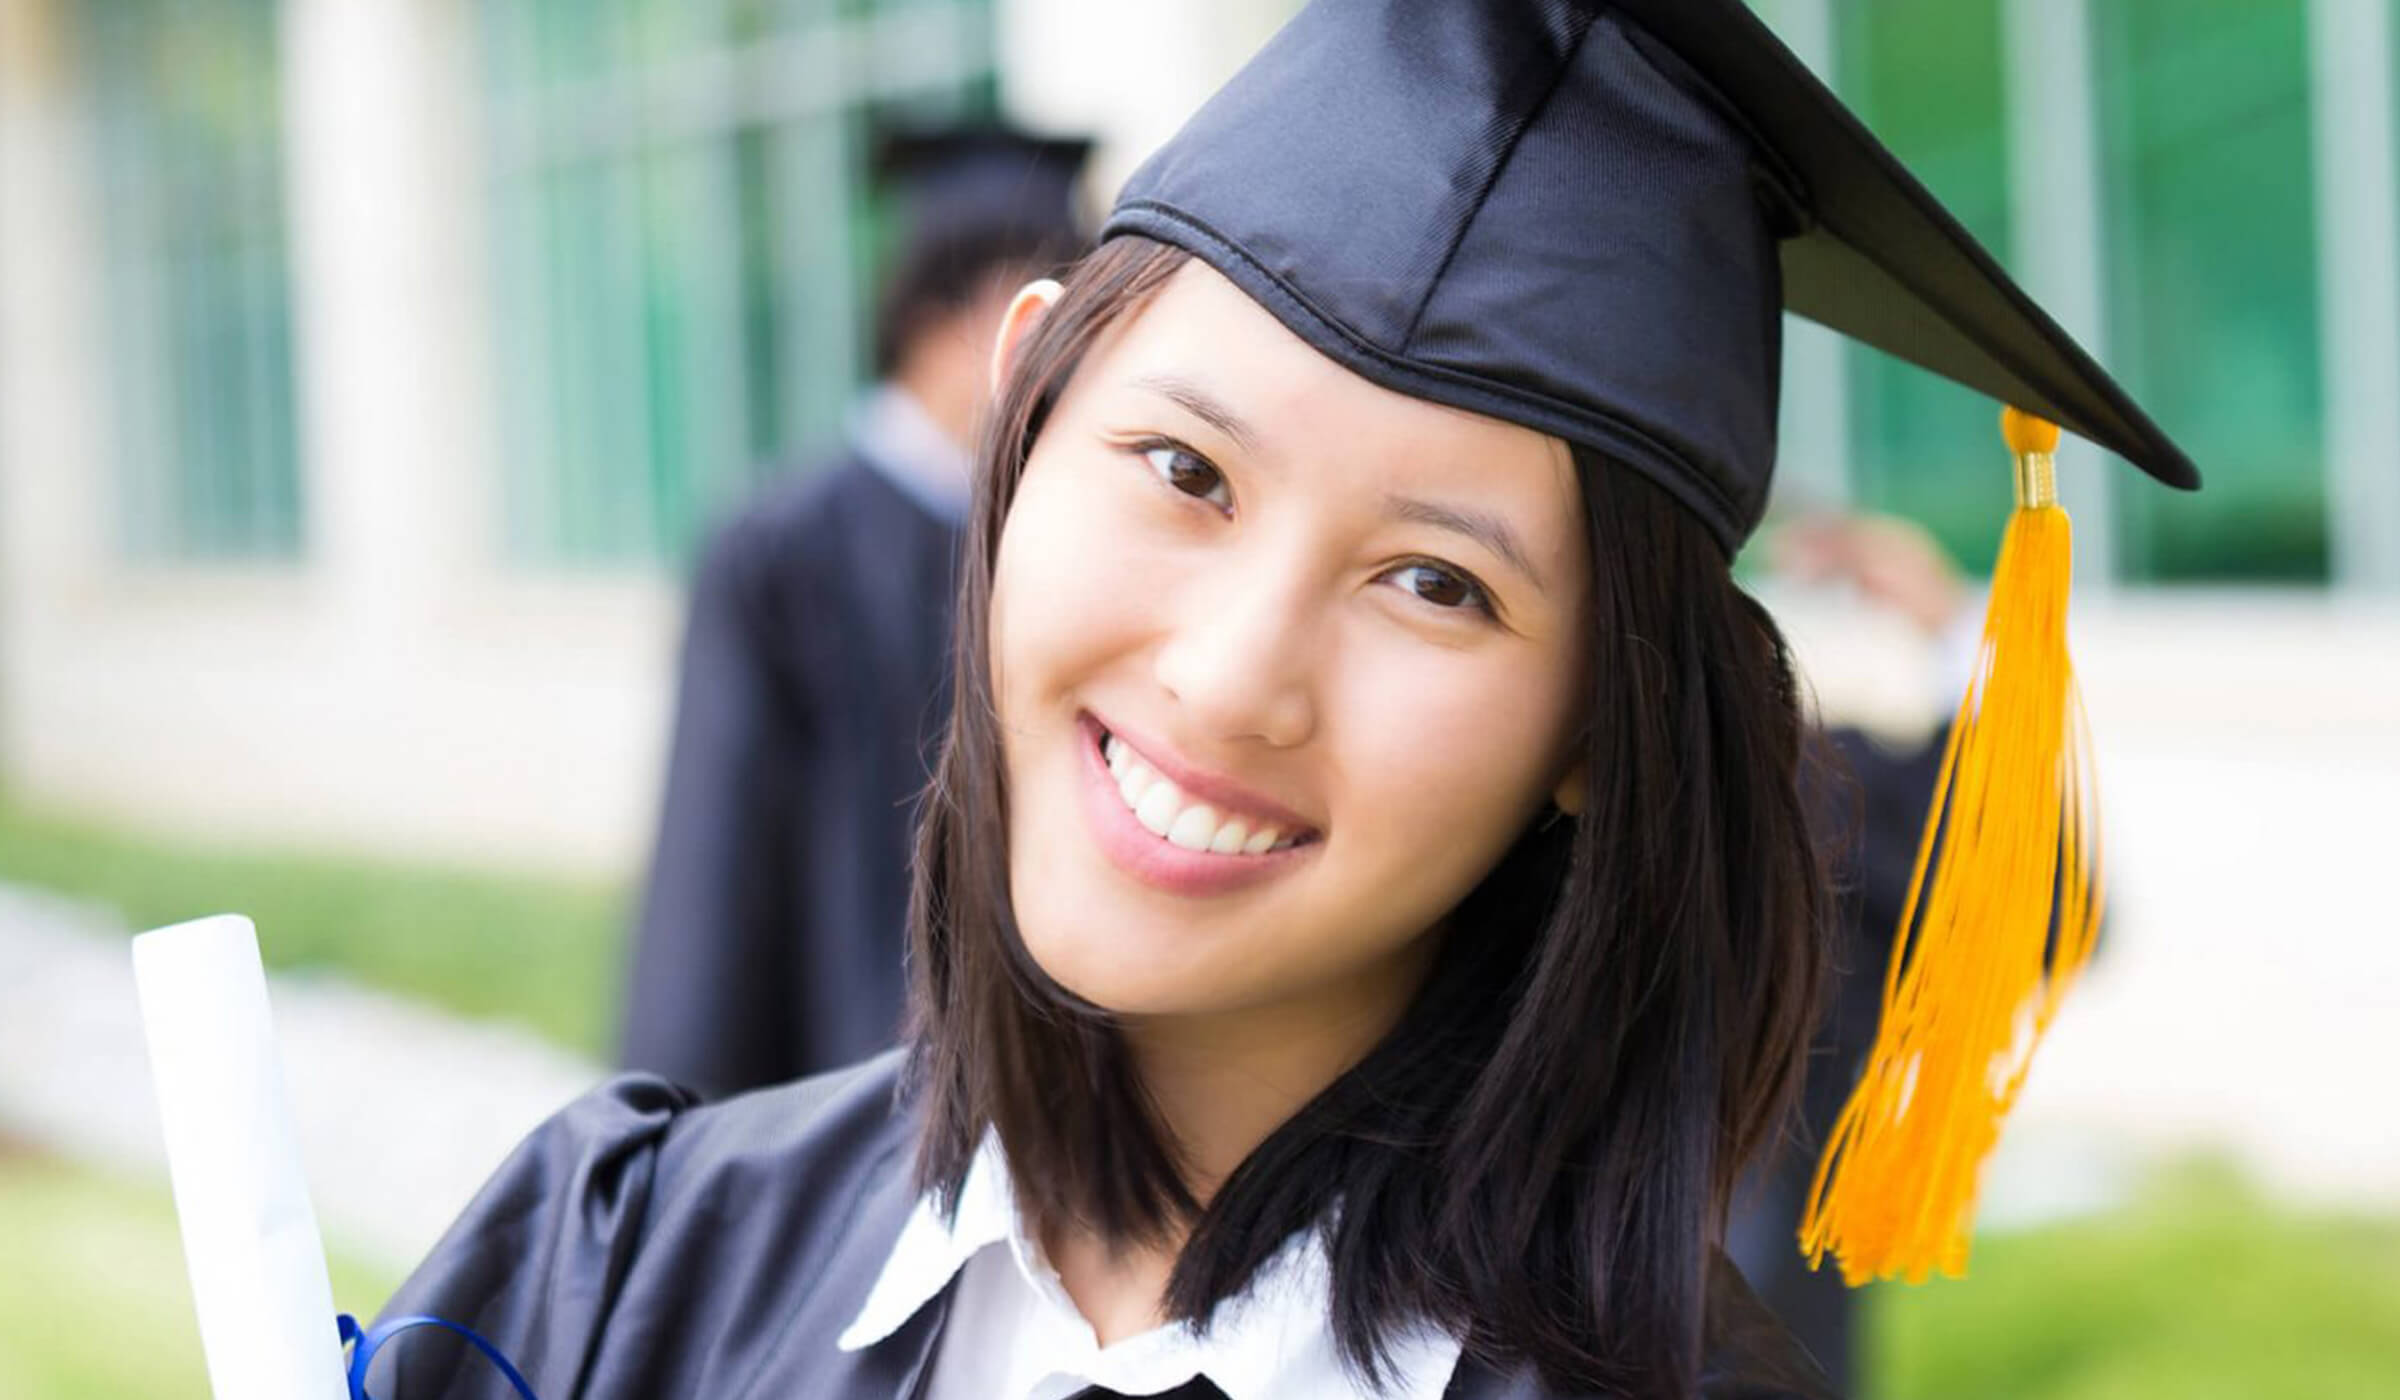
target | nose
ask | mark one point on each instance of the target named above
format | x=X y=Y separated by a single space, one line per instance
x=1241 y=656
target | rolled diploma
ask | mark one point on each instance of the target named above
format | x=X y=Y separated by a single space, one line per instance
x=249 y=1235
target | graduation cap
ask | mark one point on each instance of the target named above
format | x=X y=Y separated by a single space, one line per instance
x=981 y=176
x=1588 y=218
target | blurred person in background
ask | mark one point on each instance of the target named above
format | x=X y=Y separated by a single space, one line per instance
x=1872 y=791
x=816 y=656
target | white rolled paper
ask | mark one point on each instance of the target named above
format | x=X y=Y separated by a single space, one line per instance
x=249 y=1235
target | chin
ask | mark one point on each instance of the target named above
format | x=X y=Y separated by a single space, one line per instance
x=1116 y=964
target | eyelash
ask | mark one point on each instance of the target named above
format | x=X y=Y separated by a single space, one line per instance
x=1151 y=450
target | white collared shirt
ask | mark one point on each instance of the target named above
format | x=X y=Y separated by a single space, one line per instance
x=900 y=439
x=1014 y=1334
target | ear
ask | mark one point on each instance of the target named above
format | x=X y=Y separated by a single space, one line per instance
x=1026 y=309
x=1570 y=792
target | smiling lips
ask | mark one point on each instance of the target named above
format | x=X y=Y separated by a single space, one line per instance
x=1191 y=833
x=1159 y=805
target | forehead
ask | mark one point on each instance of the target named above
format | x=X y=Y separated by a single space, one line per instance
x=1201 y=331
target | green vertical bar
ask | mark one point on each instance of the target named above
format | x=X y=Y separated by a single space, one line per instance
x=574 y=343
x=1927 y=80
x=696 y=294
x=195 y=450
x=630 y=386
x=822 y=315
x=2212 y=280
x=188 y=147
x=663 y=300
x=761 y=236
x=696 y=335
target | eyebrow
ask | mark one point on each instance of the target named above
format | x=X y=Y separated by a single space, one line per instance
x=1196 y=401
x=1483 y=527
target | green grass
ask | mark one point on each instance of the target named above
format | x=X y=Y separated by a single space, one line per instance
x=94 y=1301
x=2199 y=1290
x=543 y=953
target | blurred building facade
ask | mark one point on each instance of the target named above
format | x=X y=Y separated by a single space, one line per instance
x=368 y=368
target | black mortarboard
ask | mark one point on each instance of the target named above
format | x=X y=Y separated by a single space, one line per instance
x=981 y=177
x=1588 y=218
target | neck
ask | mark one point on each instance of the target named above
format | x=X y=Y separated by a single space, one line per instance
x=950 y=403
x=1222 y=1083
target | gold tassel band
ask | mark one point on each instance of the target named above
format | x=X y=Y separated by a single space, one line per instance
x=2034 y=444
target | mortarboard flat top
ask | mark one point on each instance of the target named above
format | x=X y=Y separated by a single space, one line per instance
x=1588 y=218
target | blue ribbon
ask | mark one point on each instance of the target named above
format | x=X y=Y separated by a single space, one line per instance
x=371 y=1341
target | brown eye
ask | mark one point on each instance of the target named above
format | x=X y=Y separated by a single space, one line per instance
x=1444 y=588
x=1190 y=474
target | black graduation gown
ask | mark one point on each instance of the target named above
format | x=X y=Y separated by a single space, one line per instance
x=639 y=1247
x=813 y=692
x=1871 y=809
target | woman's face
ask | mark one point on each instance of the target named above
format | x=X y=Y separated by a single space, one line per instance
x=1284 y=662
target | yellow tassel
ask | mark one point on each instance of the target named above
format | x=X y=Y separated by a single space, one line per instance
x=2000 y=920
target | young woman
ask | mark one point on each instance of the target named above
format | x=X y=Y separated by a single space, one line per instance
x=1365 y=920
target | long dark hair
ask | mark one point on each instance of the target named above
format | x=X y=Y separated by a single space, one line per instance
x=1539 y=1157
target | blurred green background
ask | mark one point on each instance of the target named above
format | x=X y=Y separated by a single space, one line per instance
x=666 y=236
x=682 y=299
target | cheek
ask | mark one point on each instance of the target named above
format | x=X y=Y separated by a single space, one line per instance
x=1447 y=761
x=1060 y=606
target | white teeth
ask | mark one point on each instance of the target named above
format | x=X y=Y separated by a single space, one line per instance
x=1194 y=827
x=1158 y=804
x=1158 y=807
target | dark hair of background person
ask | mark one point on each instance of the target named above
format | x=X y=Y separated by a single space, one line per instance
x=941 y=271
x=1539 y=1157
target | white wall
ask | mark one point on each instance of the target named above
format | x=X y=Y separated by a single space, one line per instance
x=1125 y=74
x=50 y=407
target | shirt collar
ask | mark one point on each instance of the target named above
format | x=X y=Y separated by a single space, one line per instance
x=1277 y=1328
x=900 y=439
x=931 y=1250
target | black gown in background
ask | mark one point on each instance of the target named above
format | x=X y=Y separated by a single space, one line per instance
x=1870 y=807
x=639 y=1247
x=813 y=691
